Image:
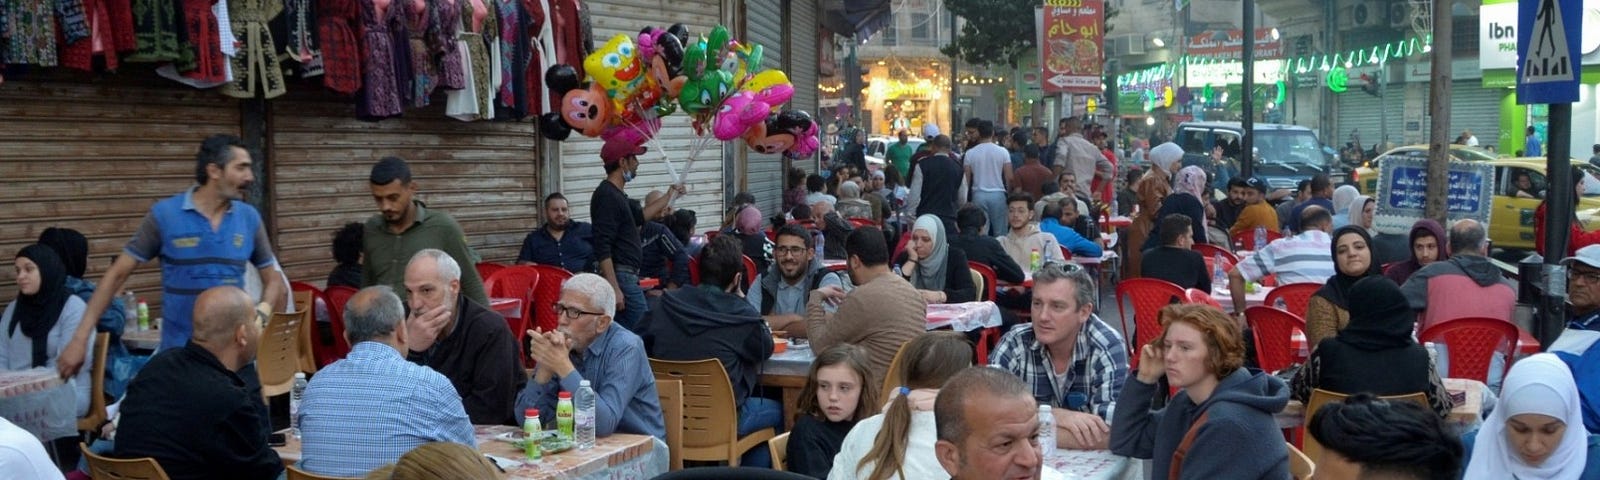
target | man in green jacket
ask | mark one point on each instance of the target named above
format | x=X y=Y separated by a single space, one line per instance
x=405 y=226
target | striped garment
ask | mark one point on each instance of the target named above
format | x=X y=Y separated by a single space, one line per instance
x=1307 y=257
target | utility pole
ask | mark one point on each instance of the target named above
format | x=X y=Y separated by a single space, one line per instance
x=1247 y=155
x=1439 y=113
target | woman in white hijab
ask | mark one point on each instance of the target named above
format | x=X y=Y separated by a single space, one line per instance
x=1342 y=197
x=1155 y=185
x=1536 y=431
x=936 y=269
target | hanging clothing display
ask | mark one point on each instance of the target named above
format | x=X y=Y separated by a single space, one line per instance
x=533 y=21
x=446 y=26
x=80 y=55
x=33 y=33
x=298 y=29
x=256 y=66
x=479 y=47
x=74 y=19
x=155 y=31
x=208 y=65
x=380 y=95
x=514 y=54
x=336 y=33
x=424 y=73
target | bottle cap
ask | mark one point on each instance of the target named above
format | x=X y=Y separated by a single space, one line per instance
x=1044 y=408
x=532 y=412
x=299 y=375
x=564 y=395
x=583 y=383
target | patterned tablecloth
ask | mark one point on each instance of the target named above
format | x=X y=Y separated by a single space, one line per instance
x=617 y=457
x=38 y=401
x=963 y=317
x=1086 y=465
x=1225 y=297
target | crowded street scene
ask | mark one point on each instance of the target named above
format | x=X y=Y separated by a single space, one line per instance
x=799 y=239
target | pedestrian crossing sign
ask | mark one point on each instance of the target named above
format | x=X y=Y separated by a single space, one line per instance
x=1547 y=61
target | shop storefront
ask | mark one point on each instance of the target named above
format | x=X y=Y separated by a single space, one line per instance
x=1497 y=56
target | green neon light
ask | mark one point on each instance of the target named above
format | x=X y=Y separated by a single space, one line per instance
x=1337 y=78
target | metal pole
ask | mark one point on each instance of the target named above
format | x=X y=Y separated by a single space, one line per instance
x=852 y=82
x=1383 y=107
x=1439 y=114
x=954 y=99
x=1558 y=222
x=1247 y=157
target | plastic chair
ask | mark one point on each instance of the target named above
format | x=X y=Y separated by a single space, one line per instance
x=750 y=270
x=1320 y=397
x=1300 y=465
x=106 y=468
x=670 y=393
x=487 y=269
x=324 y=354
x=694 y=270
x=547 y=292
x=710 y=418
x=338 y=296
x=1272 y=328
x=1295 y=296
x=859 y=222
x=1195 y=295
x=1247 y=238
x=516 y=282
x=988 y=289
x=779 y=448
x=278 y=353
x=1209 y=251
x=295 y=473
x=1472 y=343
x=1211 y=266
x=92 y=419
x=900 y=246
x=304 y=305
x=1148 y=296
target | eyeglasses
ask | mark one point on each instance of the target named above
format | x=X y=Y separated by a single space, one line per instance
x=1590 y=277
x=1060 y=267
x=571 y=313
x=793 y=251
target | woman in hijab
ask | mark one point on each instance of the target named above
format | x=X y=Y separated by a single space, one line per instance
x=850 y=204
x=73 y=250
x=747 y=228
x=1185 y=200
x=1342 y=197
x=1375 y=353
x=1427 y=246
x=1329 y=308
x=1150 y=189
x=935 y=268
x=1536 y=431
x=42 y=319
x=1386 y=248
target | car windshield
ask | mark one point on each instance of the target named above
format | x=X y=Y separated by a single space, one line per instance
x=1297 y=147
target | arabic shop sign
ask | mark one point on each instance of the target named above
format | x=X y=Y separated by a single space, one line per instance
x=1497 y=34
x=1403 y=192
x=1229 y=44
x=1071 y=35
x=1232 y=73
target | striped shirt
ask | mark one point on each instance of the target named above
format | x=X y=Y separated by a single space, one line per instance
x=1307 y=257
x=373 y=406
x=1090 y=385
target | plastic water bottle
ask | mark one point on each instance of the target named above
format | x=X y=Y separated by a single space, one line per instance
x=295 y=394
x=1261 y=238
x=585 y=415
x=530 y=432
x=144 y=315
x=1047 y=433
x=1218 y=275
x=130 y=307
x=564 y=415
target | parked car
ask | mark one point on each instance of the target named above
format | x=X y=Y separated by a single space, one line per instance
x=1365 y=177
x=878 y=147
x=1284 y=154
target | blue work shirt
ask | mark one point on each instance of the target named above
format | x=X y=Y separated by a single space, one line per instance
x=1067 y=237
x=574 y=251
x=617 y=369
x=195 y=257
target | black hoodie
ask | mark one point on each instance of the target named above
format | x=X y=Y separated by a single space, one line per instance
x=696 y=323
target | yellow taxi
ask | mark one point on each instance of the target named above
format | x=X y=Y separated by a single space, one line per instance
x=1511 y=221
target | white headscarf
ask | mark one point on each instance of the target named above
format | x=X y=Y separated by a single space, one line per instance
x=1539 y=384
x=931 y=270
x=1342 y=197
x=1358 y=205
x=1166 y=154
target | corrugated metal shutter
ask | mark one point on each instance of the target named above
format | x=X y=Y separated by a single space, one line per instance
x=1360 y=111
x=1475 y=108
x=764 y=173
x=580 y=166
x=93 y=157
x=802 y=49
x=482 y=173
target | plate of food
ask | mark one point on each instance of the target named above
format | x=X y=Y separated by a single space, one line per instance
x=550 y=441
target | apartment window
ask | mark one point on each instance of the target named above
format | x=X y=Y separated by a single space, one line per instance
x=920 y=26
x=891 y=34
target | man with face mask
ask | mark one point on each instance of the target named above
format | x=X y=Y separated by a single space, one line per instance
x=618 y=250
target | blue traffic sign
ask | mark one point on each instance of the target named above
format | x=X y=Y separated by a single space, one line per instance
x=1548 y=35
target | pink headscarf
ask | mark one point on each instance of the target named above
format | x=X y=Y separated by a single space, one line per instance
x=1192 y=180
x=749 y=220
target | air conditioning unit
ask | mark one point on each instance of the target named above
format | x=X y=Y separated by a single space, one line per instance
x=1399 y=15
x=1131 y=44
x=1363 y=14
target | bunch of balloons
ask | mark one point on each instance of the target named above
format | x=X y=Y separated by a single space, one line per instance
x=629 y=83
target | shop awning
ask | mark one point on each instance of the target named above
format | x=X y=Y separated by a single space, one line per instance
x=858 y=17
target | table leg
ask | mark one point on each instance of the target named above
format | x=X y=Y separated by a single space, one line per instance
x=791 y=386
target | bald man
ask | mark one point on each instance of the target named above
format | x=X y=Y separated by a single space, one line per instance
x=1465 y=285
x=197 y=409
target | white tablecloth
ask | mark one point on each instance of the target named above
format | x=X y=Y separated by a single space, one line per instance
x=1086 y=465
x=963 y=317
x=39 y=401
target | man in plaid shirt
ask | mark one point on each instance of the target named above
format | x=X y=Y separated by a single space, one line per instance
x=1071 y=359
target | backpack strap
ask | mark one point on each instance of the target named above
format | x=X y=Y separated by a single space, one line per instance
x=1176 y=468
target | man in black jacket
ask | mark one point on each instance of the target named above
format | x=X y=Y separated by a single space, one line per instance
x=971 y=220
x=712 y=321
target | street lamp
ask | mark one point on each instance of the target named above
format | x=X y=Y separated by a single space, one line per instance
x=1158 y=42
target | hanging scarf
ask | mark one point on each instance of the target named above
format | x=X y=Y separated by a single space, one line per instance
x=930 y=274
x=70 y=246
x=1542 y=385
x=1337 y=288
x=36 y=314
x=1381 y=320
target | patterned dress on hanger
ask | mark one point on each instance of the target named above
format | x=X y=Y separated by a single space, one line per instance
x=155 y=32
x=424 y=73
x=257 y=62
x=336 y=33
x=33 y=33
x=380 y=95
x=442 y=37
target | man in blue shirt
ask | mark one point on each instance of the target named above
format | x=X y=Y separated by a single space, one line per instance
x=589 y=346
x=1321 y=195
x=373 y=406
x=1054 y=221
x=203 y=237
x=561 y=242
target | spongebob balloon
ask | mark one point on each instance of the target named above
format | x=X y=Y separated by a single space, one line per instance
x=616 y=68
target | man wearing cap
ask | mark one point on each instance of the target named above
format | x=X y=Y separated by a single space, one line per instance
x=618 y=252
x=1583 y=288
x=1256 y=211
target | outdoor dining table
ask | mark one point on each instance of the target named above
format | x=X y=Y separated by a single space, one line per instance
x=141 y=340
x=39 y=401
x=620 y=456
x=1465 y=417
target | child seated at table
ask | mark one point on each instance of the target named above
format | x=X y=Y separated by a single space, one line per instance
x=835 y=397
x=898 y=444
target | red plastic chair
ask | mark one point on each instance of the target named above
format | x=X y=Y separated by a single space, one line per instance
x=694 y=270
x=487 y=269
x=1295 y=296
x=859 y=222
x=1247 y=239
x=1272 y=328
x=516 y=282
x=1472 y=342
x=1147 y=296
x=712 y=235
x=1201 y=297
x=750 y=270
x=989 y=290
x=899 y=247
x=325 y=354
x=1211 y=251
x=337 y=297
x=545 y=294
